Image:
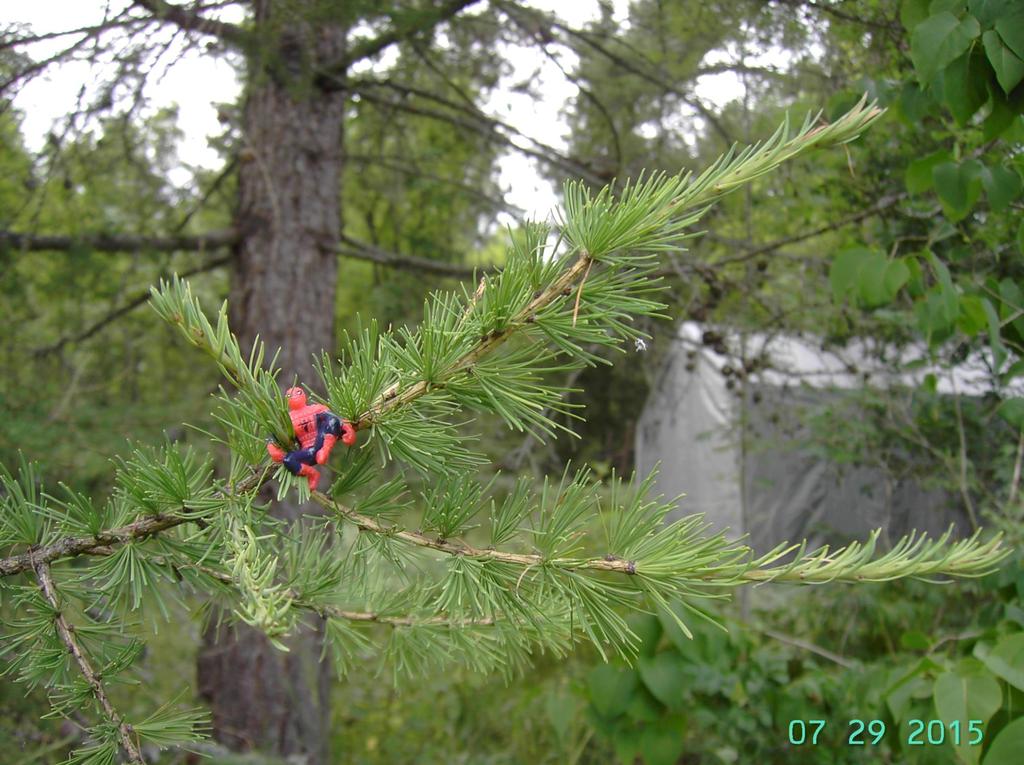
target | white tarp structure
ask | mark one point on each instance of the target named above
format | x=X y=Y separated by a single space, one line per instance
x=739 y=452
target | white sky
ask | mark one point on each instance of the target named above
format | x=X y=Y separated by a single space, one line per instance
x=196 y=82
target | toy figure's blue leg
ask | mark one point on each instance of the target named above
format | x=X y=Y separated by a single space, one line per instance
x=328 y=430
x=300 y=462
x=295 y=460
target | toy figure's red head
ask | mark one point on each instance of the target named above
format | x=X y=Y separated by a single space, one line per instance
x=296 y=398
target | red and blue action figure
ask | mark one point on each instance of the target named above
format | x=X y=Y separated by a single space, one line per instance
x=317 y=430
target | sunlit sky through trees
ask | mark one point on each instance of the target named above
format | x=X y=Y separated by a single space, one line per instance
x=196 y=82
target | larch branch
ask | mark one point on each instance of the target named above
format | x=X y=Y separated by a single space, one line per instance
x=69 y=547
x=67 y=635
x=393 y=398
x=119 y=242
x=422 y=23
x=389 y=400
x=329 y=611
x=353 y=248
x=191 y=21
x=488 y=127
x=450 y=547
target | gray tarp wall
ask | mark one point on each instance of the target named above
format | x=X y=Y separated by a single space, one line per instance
x=768 y=485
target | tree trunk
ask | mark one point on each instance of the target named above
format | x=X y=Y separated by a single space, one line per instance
x=283 y=290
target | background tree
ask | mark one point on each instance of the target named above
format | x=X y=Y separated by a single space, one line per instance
x=283 y=233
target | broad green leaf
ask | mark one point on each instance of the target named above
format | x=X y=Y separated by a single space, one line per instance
x=1020 y=237
x=1002 y=185
x=874 y=278
x=1016 y=370
x=958 y=187
x=988 y=11
x=914 y=640
x=938 y=40
x=919 y=172
x=1007 y=746
x=1011 y=29
x=664 y=676
x=1011 y=299
x=662 y=743
x=626 y=740
x=972 y=318
x=915 y=103
x=845 y=267
x=947 y=290
x=915 y=287
x=913 y=12
x=1012 y=410
x=897 y=272
x=995 y=339
x=644 y=707
x=932 y=319
x=561 y=710
x=967 y=693
x=1008 y=67
x=648 y=628
x=906 y=684
x=611 y=688
x=941 y=230
x=964 y=86
x=1006 y=659
x=1000 y=118
x=871 y=280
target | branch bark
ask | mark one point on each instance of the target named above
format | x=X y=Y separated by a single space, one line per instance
x=329 y=611
x=390 y=399
x=394 y=397
x=881 y=205
x=371 y=47
x=889 y=25
x=191 y=21
x=449 y=547
x=660 y=80
x=67 y=635
x=346 y=246
x=69 y=547
x=353 y=248
x=119 y=242
x=479 y=122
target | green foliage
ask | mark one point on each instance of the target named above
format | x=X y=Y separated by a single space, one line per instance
x=129 y=379
x=1006 y=747
x=257 y=386
x=698 y=695
x=946 y=51
x=420 y=181
x=550 y=583
x=921 y=241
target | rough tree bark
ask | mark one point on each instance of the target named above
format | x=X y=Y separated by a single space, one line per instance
x=283 y=290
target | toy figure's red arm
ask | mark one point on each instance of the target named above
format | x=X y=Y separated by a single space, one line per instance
x=276 y=453
x=348 y=433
